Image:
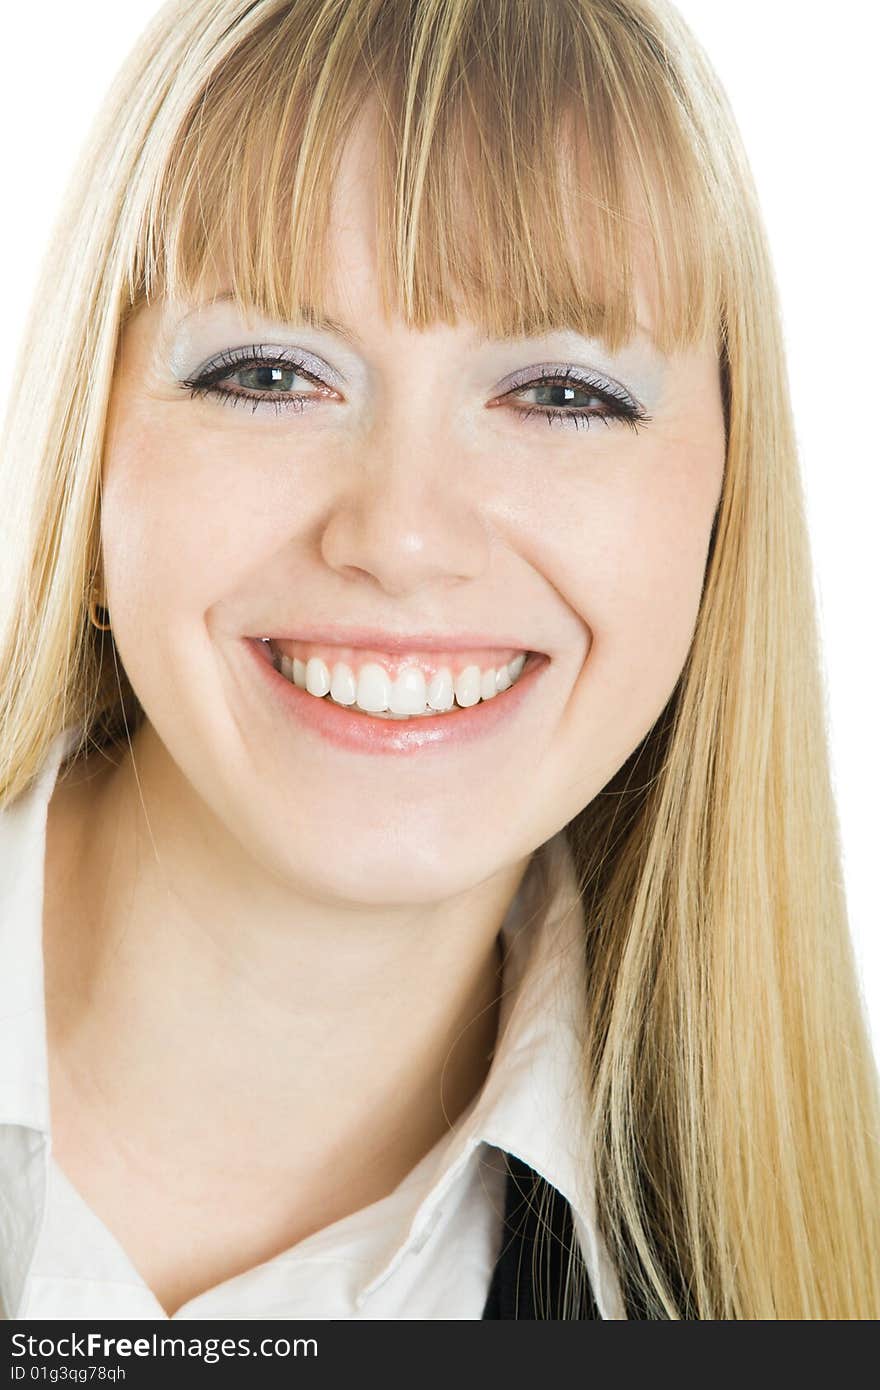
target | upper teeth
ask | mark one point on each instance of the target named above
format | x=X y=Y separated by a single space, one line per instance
x=374 y=691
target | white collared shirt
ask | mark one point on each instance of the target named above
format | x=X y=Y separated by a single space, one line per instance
x=426 y=1250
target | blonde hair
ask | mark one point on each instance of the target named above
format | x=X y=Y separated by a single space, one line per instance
x=529 y=153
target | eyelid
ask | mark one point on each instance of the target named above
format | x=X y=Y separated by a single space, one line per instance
x=207 y=377
x=294 y=357
x=583 y=376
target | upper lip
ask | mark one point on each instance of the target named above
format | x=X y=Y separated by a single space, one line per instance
x=378 y=640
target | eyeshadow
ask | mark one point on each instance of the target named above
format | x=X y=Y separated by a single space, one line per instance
x=217 y=326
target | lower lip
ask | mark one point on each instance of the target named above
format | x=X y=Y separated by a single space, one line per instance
x=359 y=733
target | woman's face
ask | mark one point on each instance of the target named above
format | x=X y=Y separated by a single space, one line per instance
x=405 y=495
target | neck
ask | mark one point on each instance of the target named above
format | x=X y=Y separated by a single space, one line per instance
x=203 y=999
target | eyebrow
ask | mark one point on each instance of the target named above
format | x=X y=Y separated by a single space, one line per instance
x=309 y=318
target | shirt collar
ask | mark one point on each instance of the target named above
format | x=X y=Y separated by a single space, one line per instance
x=534 y=1088
x=24 y=1092
x=24 y=1069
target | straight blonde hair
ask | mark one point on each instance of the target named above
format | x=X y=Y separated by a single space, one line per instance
x=529 y=154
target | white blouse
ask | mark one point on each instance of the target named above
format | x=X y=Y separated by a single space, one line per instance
x=426 y=1250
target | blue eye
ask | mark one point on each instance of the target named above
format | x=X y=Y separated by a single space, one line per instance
x=277 y=378
x=260 y=375
x=266 y=378
x=600 y=401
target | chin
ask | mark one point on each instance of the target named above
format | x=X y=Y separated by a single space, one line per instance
x=391 y=874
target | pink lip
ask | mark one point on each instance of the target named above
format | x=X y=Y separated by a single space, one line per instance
x=358 y=733
x=375 y=639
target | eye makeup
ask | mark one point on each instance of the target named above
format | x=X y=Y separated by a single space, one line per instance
x=205 y=334
x=274 y=369
x=260 y=370
x=615 y=402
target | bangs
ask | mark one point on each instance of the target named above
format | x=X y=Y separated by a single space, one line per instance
x=536 y=164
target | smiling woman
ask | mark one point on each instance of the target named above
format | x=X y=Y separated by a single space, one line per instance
x=413 y=763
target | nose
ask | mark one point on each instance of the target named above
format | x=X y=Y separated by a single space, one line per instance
x=410 y=518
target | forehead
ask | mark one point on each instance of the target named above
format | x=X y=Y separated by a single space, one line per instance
x=518 y=168
x=352 y=258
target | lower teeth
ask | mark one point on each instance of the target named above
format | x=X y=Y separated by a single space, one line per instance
x=387 y=714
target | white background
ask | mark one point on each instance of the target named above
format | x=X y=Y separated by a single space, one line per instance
x=802 y=79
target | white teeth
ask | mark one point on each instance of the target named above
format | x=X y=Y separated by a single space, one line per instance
x=515 y=666
x=441 y=694
x=373 y=691
x=317 y=676
x=408 y=692
x=373 y=688
x=467 y=686
x=343 y=686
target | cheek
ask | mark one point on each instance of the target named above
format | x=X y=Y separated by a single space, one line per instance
x=176 y=525
x=178 y=538
x=631 y=565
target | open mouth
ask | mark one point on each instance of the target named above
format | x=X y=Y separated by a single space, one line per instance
x=476 y=698
x=417 y=686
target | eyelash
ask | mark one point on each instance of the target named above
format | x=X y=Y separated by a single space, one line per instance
x=619 y=406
